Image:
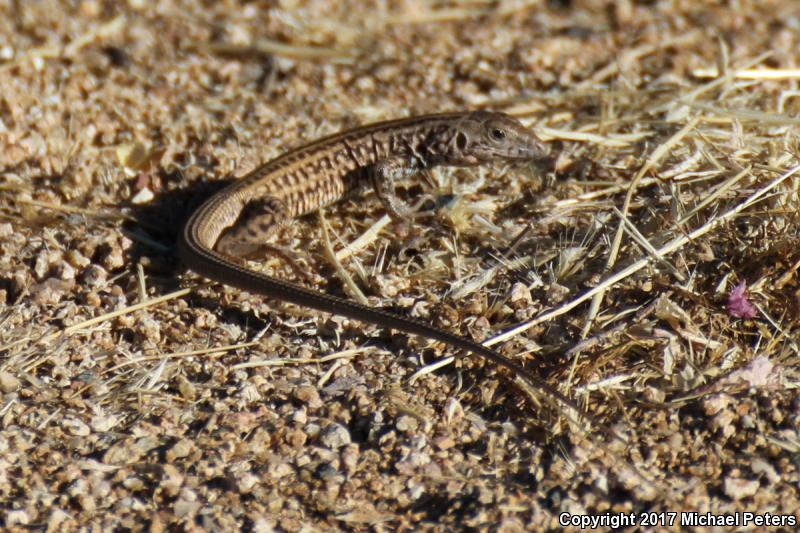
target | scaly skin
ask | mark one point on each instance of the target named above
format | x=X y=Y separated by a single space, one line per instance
x=236 y=220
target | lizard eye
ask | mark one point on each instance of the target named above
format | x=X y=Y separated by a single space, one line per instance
x=497 y=134
x=461 y=141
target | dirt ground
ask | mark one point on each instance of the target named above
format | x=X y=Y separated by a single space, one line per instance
x=649 y=271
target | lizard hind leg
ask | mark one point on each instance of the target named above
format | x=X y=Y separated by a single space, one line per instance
x=258 y=221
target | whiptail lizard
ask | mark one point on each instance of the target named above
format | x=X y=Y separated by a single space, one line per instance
x=235 y=221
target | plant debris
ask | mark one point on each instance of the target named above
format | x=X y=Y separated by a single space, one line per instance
x=135 y=395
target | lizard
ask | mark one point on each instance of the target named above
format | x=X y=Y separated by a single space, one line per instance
x=235 y=222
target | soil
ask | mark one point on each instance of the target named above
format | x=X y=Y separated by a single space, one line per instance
x=649 y=270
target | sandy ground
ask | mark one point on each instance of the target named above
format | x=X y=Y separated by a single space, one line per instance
x=135 y=395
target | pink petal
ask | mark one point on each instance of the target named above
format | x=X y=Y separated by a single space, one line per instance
x=738 y=304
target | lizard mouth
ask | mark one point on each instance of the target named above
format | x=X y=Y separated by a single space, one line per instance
x=536 y=149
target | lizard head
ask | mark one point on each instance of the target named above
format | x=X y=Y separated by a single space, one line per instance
x=487 y=136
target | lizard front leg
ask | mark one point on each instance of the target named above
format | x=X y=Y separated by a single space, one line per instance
x=383 y=176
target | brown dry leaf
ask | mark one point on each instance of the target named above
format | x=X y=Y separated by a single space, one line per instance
x=133 y=156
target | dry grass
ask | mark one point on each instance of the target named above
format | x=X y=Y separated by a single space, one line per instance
x=129 y=402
